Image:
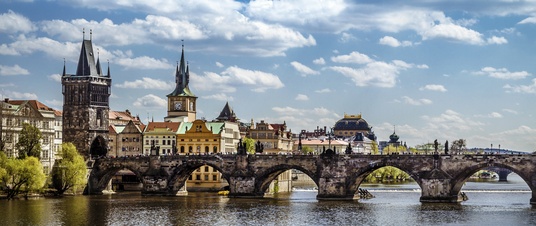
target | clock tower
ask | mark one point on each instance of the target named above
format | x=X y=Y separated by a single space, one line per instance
x=181 y=102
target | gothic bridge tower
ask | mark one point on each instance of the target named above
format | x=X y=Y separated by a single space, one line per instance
x=181 y=102
x=86 y=104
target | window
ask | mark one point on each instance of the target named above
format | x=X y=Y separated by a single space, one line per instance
x=206 y=168
x=214 y=177
x=215 y=149
x=206 y=149
x=206 y=177
x=198 y=177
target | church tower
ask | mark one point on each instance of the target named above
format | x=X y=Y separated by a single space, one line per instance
x=181 y=102
x=86 y=104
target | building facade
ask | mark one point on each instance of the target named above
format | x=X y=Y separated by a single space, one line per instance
x=86 y=104
x=14 y=113
x=275 y=139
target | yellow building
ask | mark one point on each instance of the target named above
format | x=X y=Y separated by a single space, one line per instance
x=206 y=138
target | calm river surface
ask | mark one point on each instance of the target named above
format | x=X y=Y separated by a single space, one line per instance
x=490 y=203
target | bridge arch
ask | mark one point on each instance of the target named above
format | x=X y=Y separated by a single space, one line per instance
x=356 y=178
x=181 y=173
x=102 y=177
x=264 y=178
x=460 y=179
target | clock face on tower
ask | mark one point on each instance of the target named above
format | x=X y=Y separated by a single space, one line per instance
x=178 y=105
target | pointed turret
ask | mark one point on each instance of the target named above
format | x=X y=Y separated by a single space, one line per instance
x=227 y=114
x=64 y=73
x=86 y=61
x=108 y=75
x=182 y=78
x=99 y=70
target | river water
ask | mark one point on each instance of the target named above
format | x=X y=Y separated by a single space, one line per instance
x=490 y=203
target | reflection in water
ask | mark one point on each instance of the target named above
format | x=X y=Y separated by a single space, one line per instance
x=393 y=205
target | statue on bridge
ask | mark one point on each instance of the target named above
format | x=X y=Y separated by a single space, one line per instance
x=436 y=145
x=446 y=147
x=259 y=148
x=241 y=149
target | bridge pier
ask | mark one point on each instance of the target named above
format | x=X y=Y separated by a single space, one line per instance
x=503 y=175
x=334 y=189
x=438 y=191
x=243 y=187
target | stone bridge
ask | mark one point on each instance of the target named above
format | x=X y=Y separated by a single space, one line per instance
x=337 y=177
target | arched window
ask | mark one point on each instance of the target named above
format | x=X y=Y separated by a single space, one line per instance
x=206 y=149
x=190 y=149
x=215 y=149
x=182 y=149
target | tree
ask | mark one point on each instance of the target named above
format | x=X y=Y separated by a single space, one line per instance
x=458 y=146
x=375 y=150
x=307 y=149
x=21 y=175
x=250 y=145
x=394 y=149
x=29 y=141
x=70 y=171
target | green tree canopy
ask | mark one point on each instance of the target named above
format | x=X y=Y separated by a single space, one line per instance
x=393 y=149
x=70 y=171
x=29 y=141
x=307 y=149
x=21 y=175
x=250 y=145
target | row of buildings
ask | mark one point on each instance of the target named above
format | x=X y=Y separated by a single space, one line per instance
x=97 y=131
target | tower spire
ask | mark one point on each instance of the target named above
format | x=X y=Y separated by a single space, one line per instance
x=90 y=34
x=63 y=67
x=108 y=68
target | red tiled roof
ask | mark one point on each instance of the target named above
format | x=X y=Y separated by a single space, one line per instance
x=174 y=126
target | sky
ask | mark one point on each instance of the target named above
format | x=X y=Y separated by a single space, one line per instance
x=428 y=70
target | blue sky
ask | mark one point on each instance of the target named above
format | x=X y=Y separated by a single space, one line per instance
x=436 y=69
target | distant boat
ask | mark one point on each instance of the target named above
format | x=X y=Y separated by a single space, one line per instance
x=485 y=175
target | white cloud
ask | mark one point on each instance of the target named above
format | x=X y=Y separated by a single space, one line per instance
x=55 y=77
x=235 y=76
x=147 y=83
x=325 y=90
x=410 y=101
x=301 y=97
x=434 y=87
x=490 y=115
x=502 y=73
x=219 y=96
x=150 y=101
x=510 y=111
x=346 y=37
x=531 y=88
x=453 y=32
x=528 y=20
x=304 y=70
x=17 y=95
x=497 y=40
x=451 y=120
x=319 y=61
x=143 y=62
x=375 y=73
x=11 y=23
x=13 y=70
x=393 y=42
x=220 y=65
x=353 y=57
